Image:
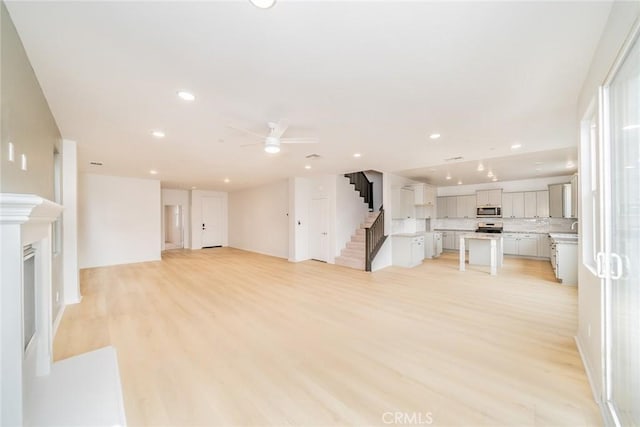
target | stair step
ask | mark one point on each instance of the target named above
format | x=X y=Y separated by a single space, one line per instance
x=350 y=262
x=356 y=245
x=353 y=253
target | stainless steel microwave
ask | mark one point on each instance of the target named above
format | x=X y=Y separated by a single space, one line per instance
x=489 y=212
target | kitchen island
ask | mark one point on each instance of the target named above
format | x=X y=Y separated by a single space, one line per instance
x=484 y=249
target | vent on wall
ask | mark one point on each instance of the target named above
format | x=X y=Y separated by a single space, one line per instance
x=95 y=163
x=313 y=156
x=453 y=159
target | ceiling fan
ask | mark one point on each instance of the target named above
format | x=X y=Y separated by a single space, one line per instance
x=274 y=138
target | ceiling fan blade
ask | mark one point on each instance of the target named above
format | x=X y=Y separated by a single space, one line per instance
x=299 y=140
x=248 y=132
x=280 y=129
x=250 y=145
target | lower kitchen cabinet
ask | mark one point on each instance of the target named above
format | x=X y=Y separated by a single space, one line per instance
x=525 y=244
x=408 y=251
x=564 y=259
x=448 y=240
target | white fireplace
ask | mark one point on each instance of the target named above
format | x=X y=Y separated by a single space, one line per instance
x=25 y=299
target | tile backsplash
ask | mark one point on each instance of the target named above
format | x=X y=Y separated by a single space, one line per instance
x=409 y=225
x=530 y=225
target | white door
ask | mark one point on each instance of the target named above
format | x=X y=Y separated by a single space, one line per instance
x=211 y=222
x=621 y=165
x=319 y=230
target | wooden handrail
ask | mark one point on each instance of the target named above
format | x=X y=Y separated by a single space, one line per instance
x=374 y=238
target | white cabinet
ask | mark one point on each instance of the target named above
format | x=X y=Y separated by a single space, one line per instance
x=447 y=207
x=564 y=259
x=544 y=243
x=489 y=197
x=424 y=194
x=574 y=196
x=432 y=244
x=542 y=204
x=528 y=204
x=402 y=203
x=560 y=201
x=408 y=251
x=448 y=240
x=512 y=205
x=466 y=207
x=523 y=244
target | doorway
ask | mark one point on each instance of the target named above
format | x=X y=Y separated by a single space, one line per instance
x=173 y=227
x=211 y=222
x=319 y=230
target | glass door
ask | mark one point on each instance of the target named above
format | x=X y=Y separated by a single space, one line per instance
x=622 y=240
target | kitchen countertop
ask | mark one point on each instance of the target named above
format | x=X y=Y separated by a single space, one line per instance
x=569 y=238
x=416 y=234
x=455 y=229
x=482 y=236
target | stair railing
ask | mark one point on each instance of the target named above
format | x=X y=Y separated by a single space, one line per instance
x=374 y=238
x=363 y=186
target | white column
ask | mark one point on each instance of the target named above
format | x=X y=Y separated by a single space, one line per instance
x=70 y=222
x=462 y=250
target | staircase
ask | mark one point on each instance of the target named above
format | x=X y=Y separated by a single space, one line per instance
x=354 y=254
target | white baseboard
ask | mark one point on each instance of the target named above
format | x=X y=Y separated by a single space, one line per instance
x=588 y=369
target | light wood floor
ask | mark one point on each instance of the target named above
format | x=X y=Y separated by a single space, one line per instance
x=226 y=337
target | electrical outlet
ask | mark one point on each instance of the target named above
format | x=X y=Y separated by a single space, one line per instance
x=57 y=296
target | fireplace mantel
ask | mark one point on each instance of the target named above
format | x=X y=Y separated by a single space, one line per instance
x=25 y=219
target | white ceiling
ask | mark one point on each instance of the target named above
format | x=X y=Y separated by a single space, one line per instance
x=539 y=164
x=368 y=77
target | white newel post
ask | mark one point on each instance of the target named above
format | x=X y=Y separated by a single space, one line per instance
x=25 y=219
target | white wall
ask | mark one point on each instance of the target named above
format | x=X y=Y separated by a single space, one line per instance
x=590 y=305
x=534 y=184
x=196 y=216
x=178 y=197
x=258 y=220
x=351 y=211
x=119 y=220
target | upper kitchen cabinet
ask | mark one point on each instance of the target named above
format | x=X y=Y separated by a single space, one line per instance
x=466 y=206
x=424 y=195
x=489 y=197
x=402 y=203
x=447 y=207
x=542 y=204
x=574 y=196
x=512 y=205
x=560 y=201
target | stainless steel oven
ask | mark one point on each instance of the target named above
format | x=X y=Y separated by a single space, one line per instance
x=489 y=212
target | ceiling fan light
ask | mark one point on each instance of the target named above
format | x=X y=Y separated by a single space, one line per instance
x=263 y=4
x=272 y=148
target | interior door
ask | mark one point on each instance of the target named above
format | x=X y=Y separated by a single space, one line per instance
x=211 y=222
x=621 y=165
x=319 y=230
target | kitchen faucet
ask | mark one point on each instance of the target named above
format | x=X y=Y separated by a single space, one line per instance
x=574 y=223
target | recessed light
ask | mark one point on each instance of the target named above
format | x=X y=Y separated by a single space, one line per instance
x=307 y=166
x=631 y=127
x=158 y=134
x=459 y=182
x=448 y=177
x=226 y=180
x=12 y=152
x=434 y=136
x=193 y=187
x=490 y=174
x=570 y=164
x=494 y=179
x=516 y=146
x=263 y=4
x=187 y=96
x=356 y=155
x=480 y=167
x=153 y=172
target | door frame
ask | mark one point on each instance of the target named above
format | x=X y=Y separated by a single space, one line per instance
x=327 y=249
